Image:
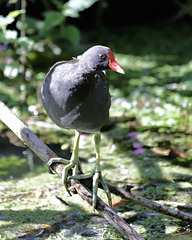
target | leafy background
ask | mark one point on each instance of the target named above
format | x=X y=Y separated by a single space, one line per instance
x=147 y=140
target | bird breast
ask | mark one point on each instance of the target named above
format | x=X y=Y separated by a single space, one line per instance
x=80 y=102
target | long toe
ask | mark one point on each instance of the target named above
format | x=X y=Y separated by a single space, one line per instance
x=56 y=160
x=96 y=178
x=81 y=176
x=106 y=189
x=66 y=169
x=65 y=172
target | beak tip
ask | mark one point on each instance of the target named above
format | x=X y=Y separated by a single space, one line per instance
x=113 y=64
x=121 y=71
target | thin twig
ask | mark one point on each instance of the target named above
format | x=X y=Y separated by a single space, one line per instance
x=125 y=193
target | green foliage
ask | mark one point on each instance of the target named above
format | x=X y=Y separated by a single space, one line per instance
x=7 y=36
x=71 y=33
x=52 y=32
x=73 y=7
x=31 y=45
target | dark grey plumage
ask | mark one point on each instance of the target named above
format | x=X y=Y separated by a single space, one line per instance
x=75 y=93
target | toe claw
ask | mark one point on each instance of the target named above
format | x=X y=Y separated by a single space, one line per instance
x=96 y=177
x=69 y=165
x=106 y=189
x=66 y=187
x=65 y=176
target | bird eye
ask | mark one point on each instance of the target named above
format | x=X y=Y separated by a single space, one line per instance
x=102 y=56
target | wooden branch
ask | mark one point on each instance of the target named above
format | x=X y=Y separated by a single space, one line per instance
x=125 y=193
x=44 y=153
x=175 y=204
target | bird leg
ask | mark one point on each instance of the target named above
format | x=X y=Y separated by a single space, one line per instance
x=72 y=164
x=98 y=175
x=74 y=161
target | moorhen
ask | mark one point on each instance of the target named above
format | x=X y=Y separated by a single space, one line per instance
x=75 y=95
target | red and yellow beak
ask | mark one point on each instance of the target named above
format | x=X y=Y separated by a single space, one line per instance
x=113 y=64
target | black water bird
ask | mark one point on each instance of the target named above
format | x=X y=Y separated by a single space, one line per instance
x=75 y=95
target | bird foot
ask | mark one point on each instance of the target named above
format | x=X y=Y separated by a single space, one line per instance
x=69 y=165
x=97 y=177
x=56 y=160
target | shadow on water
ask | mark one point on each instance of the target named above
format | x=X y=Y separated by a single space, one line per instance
x=47 y=223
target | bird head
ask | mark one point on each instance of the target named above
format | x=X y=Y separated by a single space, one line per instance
x=100 y=58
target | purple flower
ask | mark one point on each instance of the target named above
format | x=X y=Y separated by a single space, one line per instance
x=138 y=151
x=137 y=145
x=132 y=134
x=4 y=47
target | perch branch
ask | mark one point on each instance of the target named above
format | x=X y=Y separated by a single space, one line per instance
x=44 y=153
x=125 y=193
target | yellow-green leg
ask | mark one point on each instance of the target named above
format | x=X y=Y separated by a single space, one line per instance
x=72 y=164
x=98 y=175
